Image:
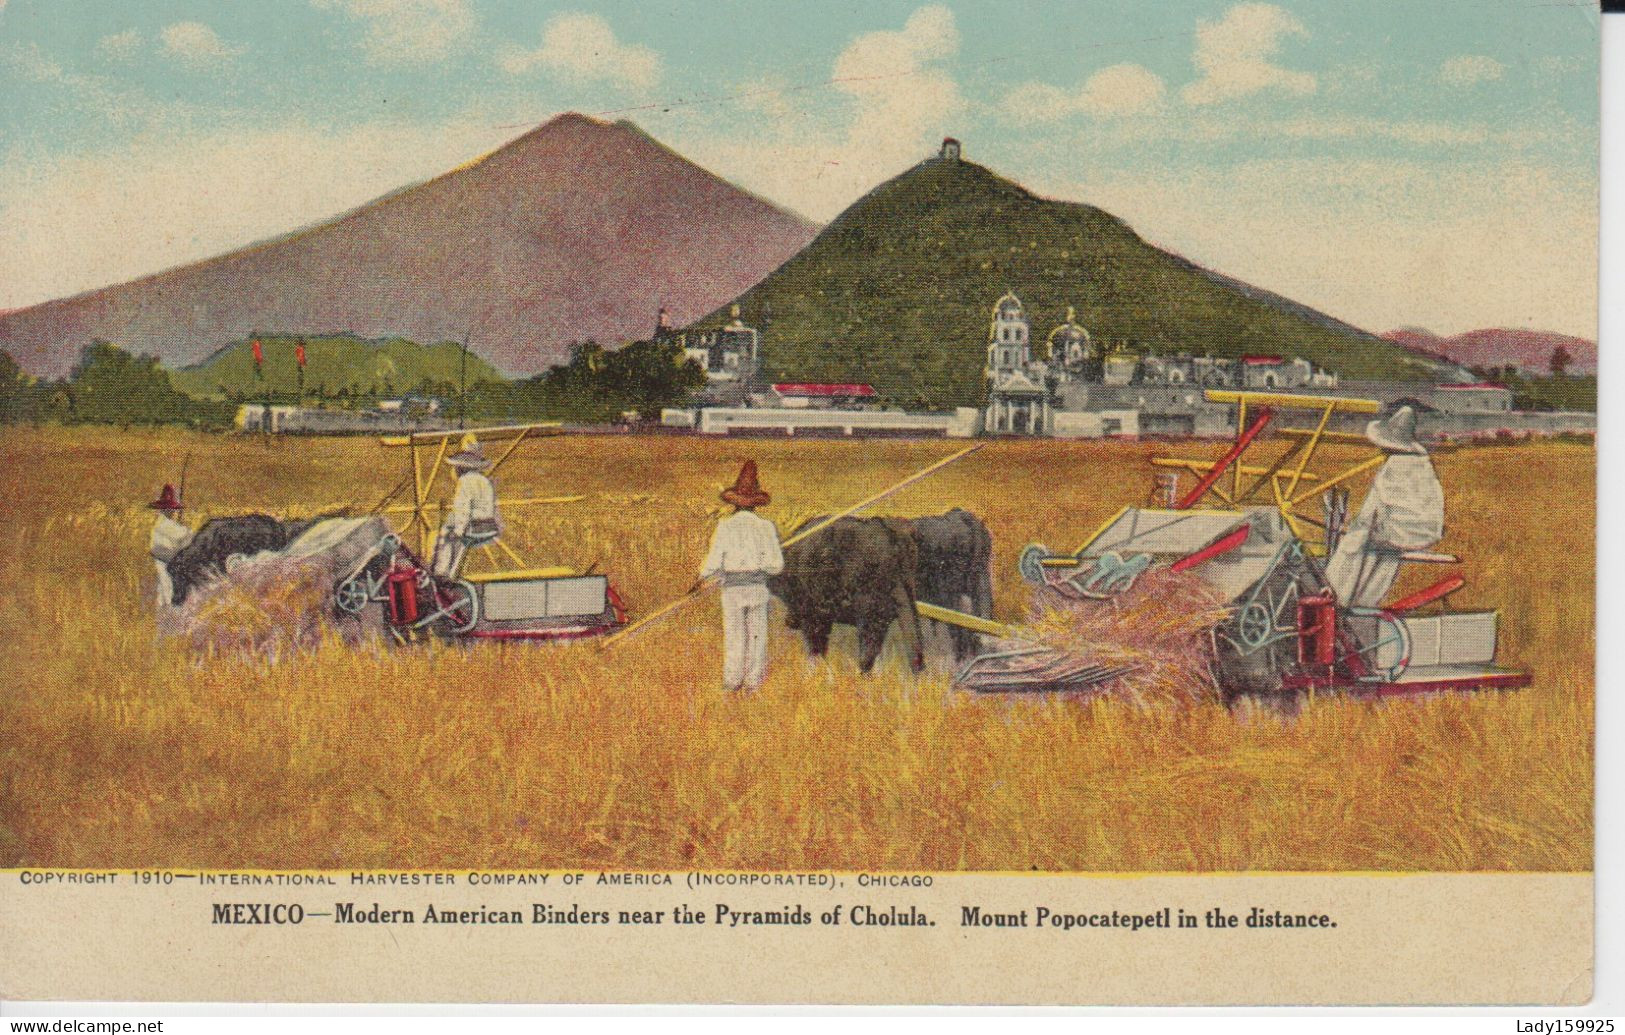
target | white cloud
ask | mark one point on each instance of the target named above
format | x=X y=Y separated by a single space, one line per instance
x=75 y=222
x=119 y=46
x=901 y=92
x=1120 y=90
x=1235 y=55
x=769 y=96
x=898 y=102
x=1470 y=70
x=582 y=48
x=33 y=64
x=1039 y=102
x=197 y=44
x=1426 y=134
x=112 y=102
x=1125 y=89
x=402 y=32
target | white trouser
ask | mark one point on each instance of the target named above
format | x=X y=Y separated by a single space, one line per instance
x=744 y=636
x=166 y=588
x=448 y=552
x=1360 y=573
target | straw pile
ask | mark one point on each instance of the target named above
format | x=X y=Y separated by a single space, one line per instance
x=277 y=601
x=1160 y=627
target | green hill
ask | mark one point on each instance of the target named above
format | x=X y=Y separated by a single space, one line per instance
x=336 y=366
x=897 y=292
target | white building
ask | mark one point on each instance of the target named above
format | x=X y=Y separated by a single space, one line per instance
x=818 y=396
x=730 y=353
x=1018 y=394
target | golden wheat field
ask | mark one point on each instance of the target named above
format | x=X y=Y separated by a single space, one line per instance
x=118 y=749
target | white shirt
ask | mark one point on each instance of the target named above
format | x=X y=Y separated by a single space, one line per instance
x=744 y=552
x=1404 y=510
x=475 y=500
x=168 y=538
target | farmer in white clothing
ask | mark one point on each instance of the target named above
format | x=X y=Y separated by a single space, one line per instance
x=1403 y=511
x=169 y=536
x=744 y=552
x=473 y=519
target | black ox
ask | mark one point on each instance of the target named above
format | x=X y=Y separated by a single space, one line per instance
x=869 y=572
x=204 y=557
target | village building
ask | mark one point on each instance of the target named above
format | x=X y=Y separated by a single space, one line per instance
x=1018 y=391
x=1479 y=397
x=1084 y=387
x=1073 y=384
x=809 y=396
x=282 y=419
x=1120 y=366
x=1069 y=348
x=731 y=353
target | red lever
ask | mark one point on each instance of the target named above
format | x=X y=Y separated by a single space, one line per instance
x=1438 y=591
x=1213 y=549
x=1243 y=440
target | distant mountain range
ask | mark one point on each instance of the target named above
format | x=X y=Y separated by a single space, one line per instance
x=582 y=229
x=898 y=289
x=1530 y=351
x=333 y=364
x=577 y=230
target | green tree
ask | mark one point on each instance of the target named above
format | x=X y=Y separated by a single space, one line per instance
x=599 y=384
x=19 y=396
x=1559 y=363
x=111 y=386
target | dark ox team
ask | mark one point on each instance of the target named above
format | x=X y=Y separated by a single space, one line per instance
x=205 y=555
x=869 y=572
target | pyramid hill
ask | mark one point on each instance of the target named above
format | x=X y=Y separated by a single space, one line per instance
x=897 y=290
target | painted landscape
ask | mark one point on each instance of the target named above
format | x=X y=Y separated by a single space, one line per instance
x=121 y=749
x=1243 y=281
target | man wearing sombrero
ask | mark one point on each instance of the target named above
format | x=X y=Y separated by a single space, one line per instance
x=1403 y=511
x=744 y=553
x=473 y=518
x=169 y=536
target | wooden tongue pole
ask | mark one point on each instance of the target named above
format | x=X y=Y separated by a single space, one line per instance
x=700 y=588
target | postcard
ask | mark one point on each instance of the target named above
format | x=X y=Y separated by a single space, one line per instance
x=920 y=502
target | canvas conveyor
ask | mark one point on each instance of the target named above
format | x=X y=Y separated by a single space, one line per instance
x=1254 y=528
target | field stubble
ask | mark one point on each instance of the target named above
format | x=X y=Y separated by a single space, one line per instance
x=118 y=749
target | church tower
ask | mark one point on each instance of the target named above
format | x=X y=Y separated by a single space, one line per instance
x=1007 y=345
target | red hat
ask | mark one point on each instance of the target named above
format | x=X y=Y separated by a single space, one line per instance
x=167 y=500
x=745 y=491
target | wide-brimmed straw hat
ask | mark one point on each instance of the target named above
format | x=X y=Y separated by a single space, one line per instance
x=471 y=456
x=745 y=491
x=167 y=499
x=1396 y=432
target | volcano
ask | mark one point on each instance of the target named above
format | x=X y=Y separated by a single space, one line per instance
x=578 y=230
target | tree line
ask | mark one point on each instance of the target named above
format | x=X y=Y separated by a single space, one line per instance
x=1557 y=390
x=109 y=385
x=106 y=386
x=597 y=385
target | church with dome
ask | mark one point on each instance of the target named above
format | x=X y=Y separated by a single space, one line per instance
x=1044 y=390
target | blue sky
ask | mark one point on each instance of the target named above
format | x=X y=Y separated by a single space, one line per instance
x=1392 y=162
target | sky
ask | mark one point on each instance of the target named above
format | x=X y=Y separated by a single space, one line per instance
x=1391 y=162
